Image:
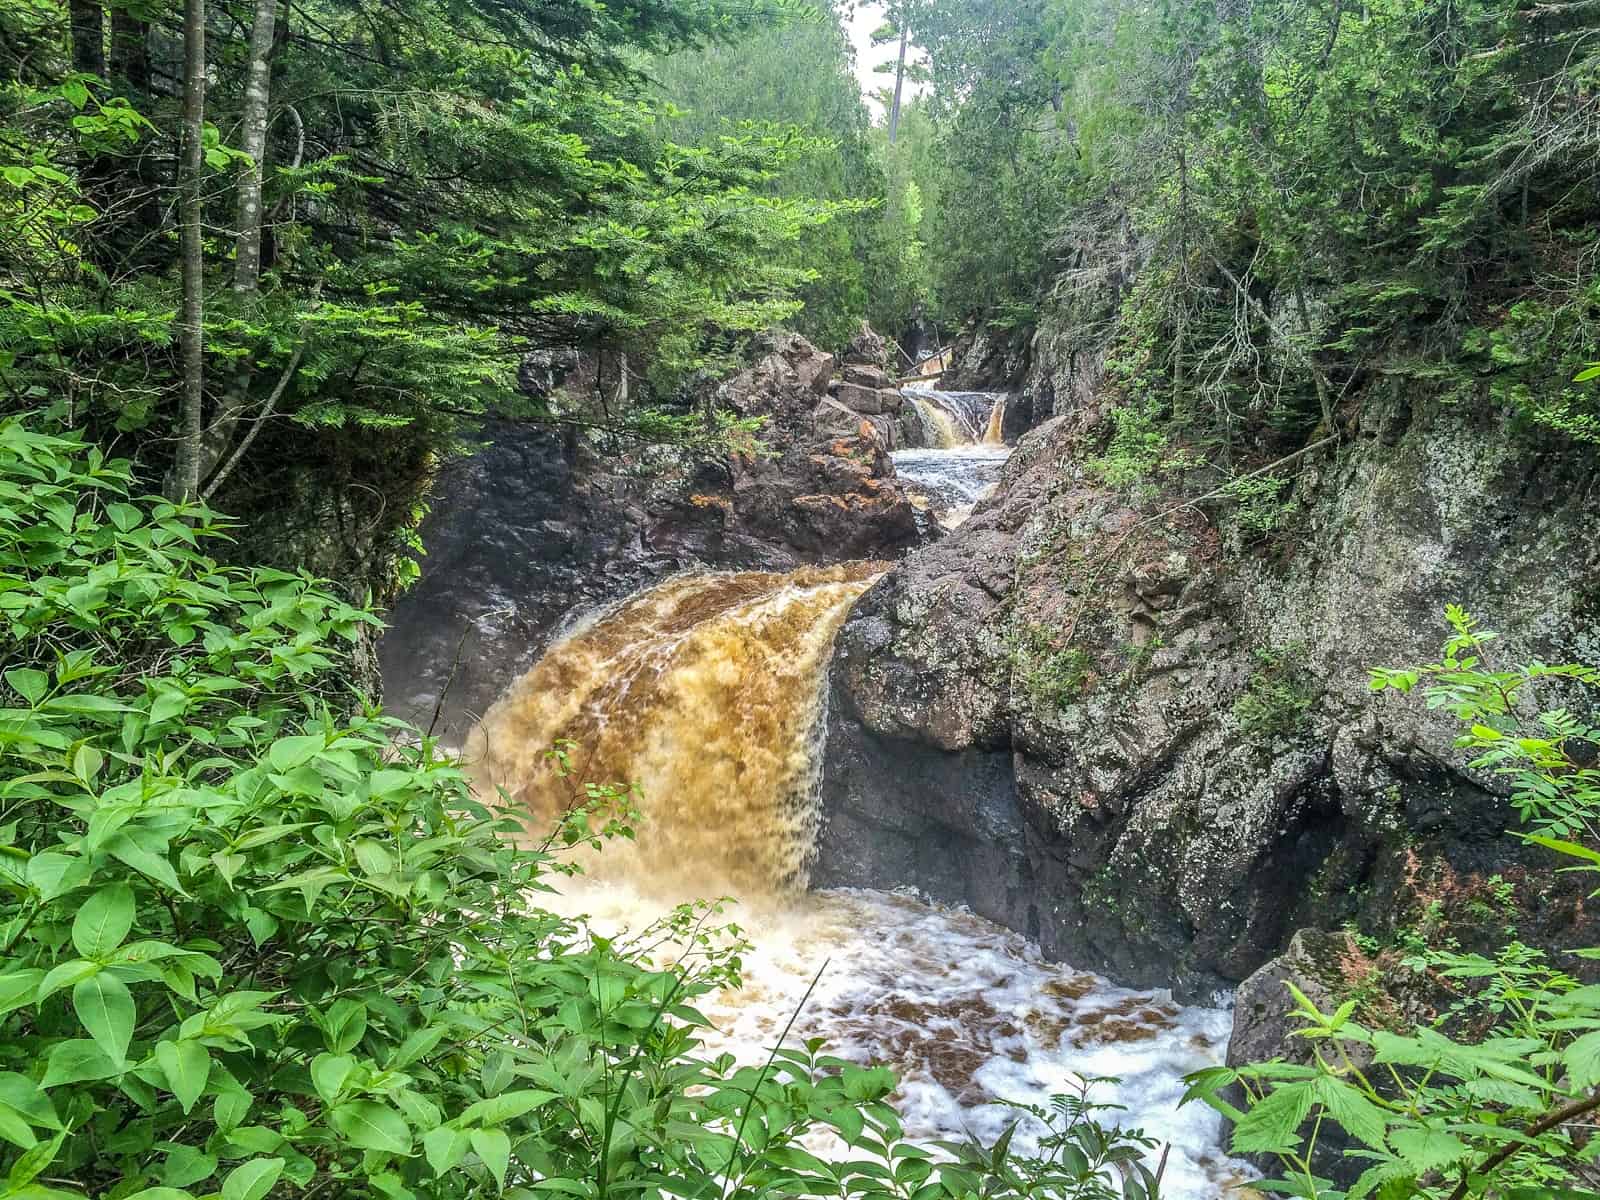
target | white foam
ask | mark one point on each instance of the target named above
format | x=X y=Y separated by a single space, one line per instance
x=966 y=1013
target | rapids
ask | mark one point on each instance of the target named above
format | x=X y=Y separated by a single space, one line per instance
x=706 y=692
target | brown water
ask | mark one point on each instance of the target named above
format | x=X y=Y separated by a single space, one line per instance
x=704 y=692
x=994 y=435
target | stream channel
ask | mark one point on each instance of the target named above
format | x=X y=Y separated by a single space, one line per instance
x=707 y=691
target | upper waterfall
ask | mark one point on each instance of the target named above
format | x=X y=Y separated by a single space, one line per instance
x=963 y=464
x=953 y=419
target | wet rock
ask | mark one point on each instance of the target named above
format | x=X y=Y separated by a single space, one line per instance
x=1324 y=967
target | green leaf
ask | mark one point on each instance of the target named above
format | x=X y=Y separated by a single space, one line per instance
x=19 y=987
x=329 y=1072
x=105 y=1006
x=346 y=1025
x=1427 y=1149
x=494 y=1148
x=444 y=1147
x=65 y=975
x=86 y=763
x=374 y=859
x=1570 y=849
x=497 y=1110
x=1582 y=1060
x=146 y=862
x=103 y=921
x=230 y=1108
x=28 y=1167
x=252 y=1180
x=372 y=1126
x=288 y=753
x=77 y=1060
x=187 y=1165
x=1356 y=1115
x=52 y=874
x=23 y=1103
x=31 y=685
x=187 y=1066
x=1271 y=1124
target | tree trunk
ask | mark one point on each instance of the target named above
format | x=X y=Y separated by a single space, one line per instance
x=1180 y=389
x=257 y=97
x=249 y=217
x=899 y=85
x=1324 y=401
x=88 y=21
x=185 y=481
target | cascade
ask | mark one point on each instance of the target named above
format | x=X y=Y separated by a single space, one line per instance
x=965 y=467
x=704 y=692
x=958 y=418
x=995 y=435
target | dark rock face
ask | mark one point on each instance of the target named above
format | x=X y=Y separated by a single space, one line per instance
x=1180 y=728
x=538 y=528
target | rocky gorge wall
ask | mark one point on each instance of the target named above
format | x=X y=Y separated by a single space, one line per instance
x=542 y=527
x=1113 y=726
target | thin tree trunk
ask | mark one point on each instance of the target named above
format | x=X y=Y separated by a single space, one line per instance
x=249 y=217
x=1324 y=401
x=1180 y=395
x=88 y=21
x=899 y=85
x=185 y=482
x=257 y=97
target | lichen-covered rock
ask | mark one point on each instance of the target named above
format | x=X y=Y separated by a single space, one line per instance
x=540 y=527
x=1195 y=758
x=869 y=349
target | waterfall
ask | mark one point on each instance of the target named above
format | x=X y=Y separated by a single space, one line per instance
x=952 y=477
x=935 y=420
x=959 y=418
x=705 y=693
x=995 y=435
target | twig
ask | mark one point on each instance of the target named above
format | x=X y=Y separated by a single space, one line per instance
x=250 y=435
x=1567 y=1112
x=1310 y=363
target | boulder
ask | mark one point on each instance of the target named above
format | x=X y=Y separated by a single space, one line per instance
x=835 y=420
x=860 y=399
x=867 y=376
x=872 y=401
x=1200 y=765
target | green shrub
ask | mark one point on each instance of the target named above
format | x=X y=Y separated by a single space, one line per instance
x=257 y=939
x=1277 y=698
x=1052 y=676
x=1496 y=1098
